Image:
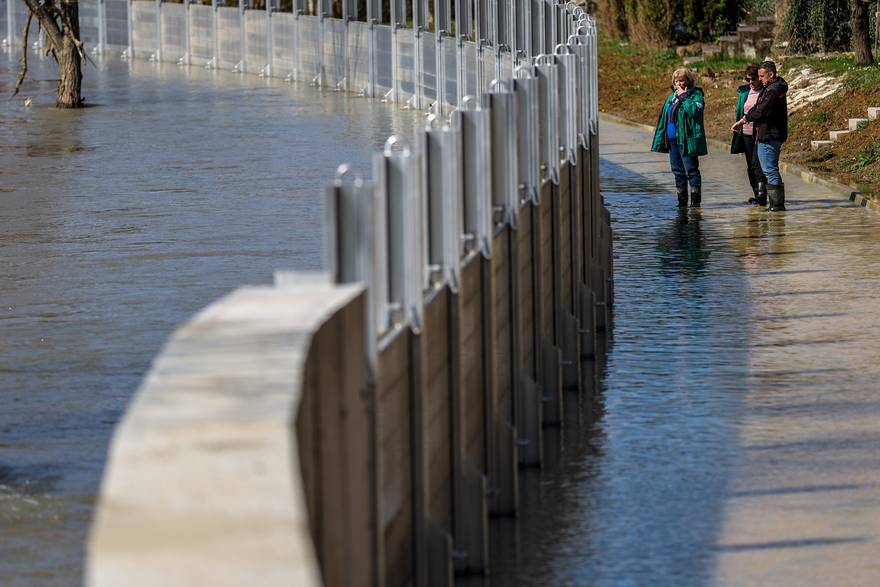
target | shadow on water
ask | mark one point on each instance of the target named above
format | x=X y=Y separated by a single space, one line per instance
x=632 y=486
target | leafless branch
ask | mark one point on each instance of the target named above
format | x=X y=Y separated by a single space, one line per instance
x=24 y=48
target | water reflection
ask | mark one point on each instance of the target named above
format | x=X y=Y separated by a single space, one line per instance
x=682 y=246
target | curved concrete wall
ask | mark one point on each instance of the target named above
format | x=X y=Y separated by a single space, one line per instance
x=362 y=434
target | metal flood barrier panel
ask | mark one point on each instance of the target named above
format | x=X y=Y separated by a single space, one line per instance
x=429 y=65
x=283 y=47
x=174 y=33
x=406 y=63
x=201 y=30
x=256 y=42
x=359 y=57
x=117 y=23
x=228 y=38
x=383 y=60
x=90 y=28
x=310 y=49
x=335 y=53
x=145 y=29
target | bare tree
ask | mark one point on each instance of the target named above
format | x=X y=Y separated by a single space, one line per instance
x=861 y=36
x=59 y=20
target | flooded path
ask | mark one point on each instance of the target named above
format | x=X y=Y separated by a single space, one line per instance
x=117 y=223
x=734 y=435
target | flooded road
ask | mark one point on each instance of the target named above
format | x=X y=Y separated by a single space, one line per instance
x=732 y=438
x=117 y=223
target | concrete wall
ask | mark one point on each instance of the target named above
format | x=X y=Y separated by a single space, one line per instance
x=264 y=449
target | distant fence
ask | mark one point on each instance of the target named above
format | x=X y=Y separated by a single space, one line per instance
x=361 y=425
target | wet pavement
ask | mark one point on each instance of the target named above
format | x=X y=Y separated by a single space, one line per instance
x=734 y=436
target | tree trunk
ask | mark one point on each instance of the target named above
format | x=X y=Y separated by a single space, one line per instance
x=70 y=74
x=69 y=59
x=861 y=36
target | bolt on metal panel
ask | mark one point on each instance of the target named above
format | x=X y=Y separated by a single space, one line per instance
x=473 y=122
x=546 y=71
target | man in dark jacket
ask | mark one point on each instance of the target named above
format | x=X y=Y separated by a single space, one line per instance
x=770 y=117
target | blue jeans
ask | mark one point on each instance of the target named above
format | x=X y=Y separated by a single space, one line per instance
x=685 y=169
x=768 y=155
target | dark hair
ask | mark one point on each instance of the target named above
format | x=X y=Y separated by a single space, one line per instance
x=768 y=66
x=752 y=71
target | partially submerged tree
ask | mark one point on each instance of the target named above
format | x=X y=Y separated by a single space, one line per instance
x=59 y=20
x=861 y=33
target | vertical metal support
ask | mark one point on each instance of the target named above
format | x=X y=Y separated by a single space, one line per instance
x=102 y=25
x=546 y=71
x=505 y=192
x=525 y=85
x=567 y=62
x=442 y=186
x=350 y=241
x=396 y=171
x=473 y=122
x=158 y=53
x=395 y=72
x=242 y=49
x=187 y=42
x=129 y=49
x=270 y=38
x=10 y=23
x=214 y=44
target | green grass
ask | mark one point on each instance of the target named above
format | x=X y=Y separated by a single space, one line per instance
x=819 y=117
x=865 y=157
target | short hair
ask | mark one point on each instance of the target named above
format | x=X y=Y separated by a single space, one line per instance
x=687 y=74
x=752 y=70
x=768 y=66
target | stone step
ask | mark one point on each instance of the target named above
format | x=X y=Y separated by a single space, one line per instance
x=836 y=134
x=873 y=112
x=855 y=122
x=728 y=39
x=713 y=52
x=816 y=145
x=746 y=29
x=692 y=59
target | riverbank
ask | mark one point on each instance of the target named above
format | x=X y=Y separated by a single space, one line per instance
x=825 y=94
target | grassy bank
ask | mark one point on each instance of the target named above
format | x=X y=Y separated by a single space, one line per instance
x=634 y=81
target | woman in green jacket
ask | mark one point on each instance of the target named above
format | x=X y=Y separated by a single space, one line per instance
x=680 y=132
x=744 y=139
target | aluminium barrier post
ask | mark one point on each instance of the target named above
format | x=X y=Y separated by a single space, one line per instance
x=350 y=241
x=505 y=183
x=473 y=122
x=269 y=38
x=441 y=180
x=397 y=172
x=157 y=56
x=187 y=42
x=566 y=60
x=102 y=27
x=546 y=71
x=525 y=85
x=242 y=50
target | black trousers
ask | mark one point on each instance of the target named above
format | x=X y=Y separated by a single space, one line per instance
x=752 y=164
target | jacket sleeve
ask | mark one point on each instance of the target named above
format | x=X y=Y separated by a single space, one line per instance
x=692 y=106
x=762 y=107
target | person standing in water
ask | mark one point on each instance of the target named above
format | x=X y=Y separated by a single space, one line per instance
x=744 y=140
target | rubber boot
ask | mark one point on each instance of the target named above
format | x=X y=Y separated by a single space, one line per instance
x=761 y=196
x=754 y=198
x=682 y=197
x=696 y=196
x=776 y=197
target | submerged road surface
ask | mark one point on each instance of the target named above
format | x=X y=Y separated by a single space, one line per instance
x=736 y=436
